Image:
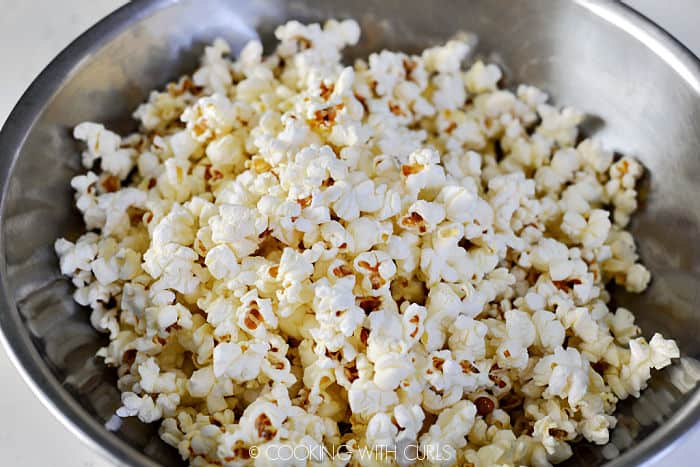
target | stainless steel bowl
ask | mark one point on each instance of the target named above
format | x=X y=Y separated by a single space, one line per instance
x=639 y=86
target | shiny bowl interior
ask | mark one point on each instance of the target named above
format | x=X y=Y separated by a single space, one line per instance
x=640 y=88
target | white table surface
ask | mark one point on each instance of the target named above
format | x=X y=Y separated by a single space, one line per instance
x=32 y=32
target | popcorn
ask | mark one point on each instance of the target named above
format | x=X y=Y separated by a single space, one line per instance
x=550 y=332
x=365 y=397
x=176 y=227
x=467 y=339
x=398 y=253
x=593 y=154
x=637 y=279
x=337 y=313
x=413 y=317
x=443 y=306
x=447 y=58
x=210 y=116
x=622 y=325
x=222 y=262
x=385 y=334
x=214 y=73
x=591 y=232
x=115 y=207
x=173 y=266
x=381 y=432
x=643 y=357
x=377 y=269
x=450 y=431
x=76 y=256
x=520 y=332
x=239 y=227
x=409 y=420
x=560 y=126
x=142 y=407
x=423 y=170
x=543 y=430
x=183 y=145
x=239 y=362
x=154 y=382
x=255 y=315
x=104 y=145
x=201 y=382
x=390 y=370
x=365 y=233
x=565 y=373
x=482 y=78
x=459 y=202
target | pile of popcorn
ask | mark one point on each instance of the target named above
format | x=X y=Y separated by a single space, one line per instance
x=294 y=252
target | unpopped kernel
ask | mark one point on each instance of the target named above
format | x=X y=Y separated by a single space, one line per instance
x=294 y=252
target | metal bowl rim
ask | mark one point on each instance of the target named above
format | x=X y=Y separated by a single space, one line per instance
x=36 y=373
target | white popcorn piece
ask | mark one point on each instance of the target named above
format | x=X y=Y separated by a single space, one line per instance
x=173 y=266
x=377 y=269
x=222 y=262
x=239 y=362
x=365 y=398
x=381 y=432
x=565 y=373
x=214 y=73
x=104 y=145
x=410 y=420
x=450 y=431
x=143 y=407
x=255 y=315
x=76 y=256
x=239 y=227
x=482 y=78
x=656 y=354
x=337 y=313
x=390 y=370
x=622 y=325
x=447 y=58
x=550 y=331
x=467 y=339
x=637 y=279
x=423 y=170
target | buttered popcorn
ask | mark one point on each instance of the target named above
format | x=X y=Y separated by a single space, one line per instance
x=388 y=256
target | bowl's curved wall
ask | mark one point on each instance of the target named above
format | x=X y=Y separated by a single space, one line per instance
x=641 y=89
